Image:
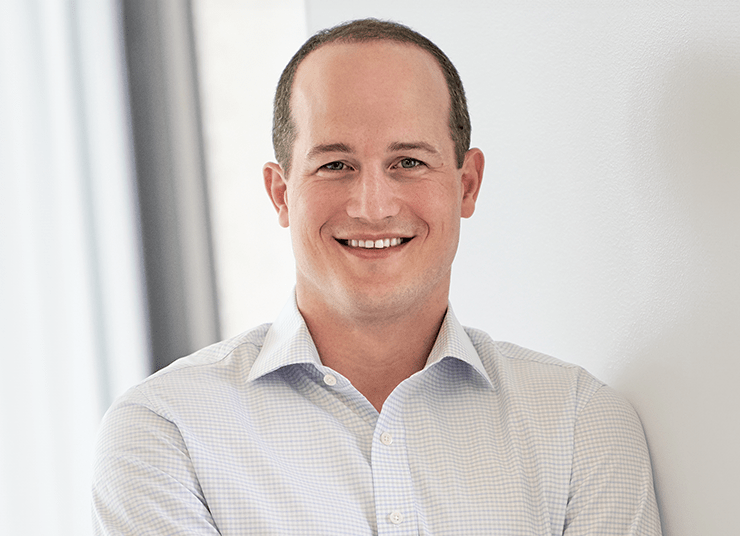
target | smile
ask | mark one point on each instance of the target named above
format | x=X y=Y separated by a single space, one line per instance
x=380 y=243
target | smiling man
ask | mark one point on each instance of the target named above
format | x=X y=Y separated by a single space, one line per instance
x=366 y=408
x=373 y=195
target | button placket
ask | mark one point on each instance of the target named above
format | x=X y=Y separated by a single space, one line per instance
x=394 y=493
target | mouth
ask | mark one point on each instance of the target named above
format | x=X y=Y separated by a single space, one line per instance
x=380 y=243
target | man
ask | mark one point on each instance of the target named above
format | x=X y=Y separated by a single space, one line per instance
x=366 y=408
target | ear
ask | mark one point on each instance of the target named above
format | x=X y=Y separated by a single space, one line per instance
x=277 y=188
x=472 y=176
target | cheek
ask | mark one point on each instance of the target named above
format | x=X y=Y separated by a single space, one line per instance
x=439 y=206
x=312 y=207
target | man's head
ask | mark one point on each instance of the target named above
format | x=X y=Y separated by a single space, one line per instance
x=376 y=191
x=365 y=30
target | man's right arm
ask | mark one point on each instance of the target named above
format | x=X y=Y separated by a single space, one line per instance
x=144 y=481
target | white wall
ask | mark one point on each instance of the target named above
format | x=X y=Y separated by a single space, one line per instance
x=243 y=46
x=607 y=232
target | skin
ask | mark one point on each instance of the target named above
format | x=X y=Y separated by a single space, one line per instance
x=373 y=159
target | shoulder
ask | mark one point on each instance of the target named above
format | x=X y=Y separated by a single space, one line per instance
x=529 y=378
x=488 y=348
x=144 y=470
x=197 y=392
x=210 y=372
x=516 y=363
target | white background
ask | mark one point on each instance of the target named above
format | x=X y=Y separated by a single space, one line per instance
x=607 y=232
x=72 y=318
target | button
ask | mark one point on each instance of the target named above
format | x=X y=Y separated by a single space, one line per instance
x=386 y=438
x=395 y=517
x=330 y=380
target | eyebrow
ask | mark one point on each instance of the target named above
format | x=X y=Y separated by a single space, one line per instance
x=321 y=149
x=318 y=150
x=408 y=146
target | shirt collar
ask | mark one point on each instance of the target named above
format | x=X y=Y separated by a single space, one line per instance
x=453 y=342
x=288 y=342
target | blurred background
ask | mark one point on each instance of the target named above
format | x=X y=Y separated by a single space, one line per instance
x=134 y=228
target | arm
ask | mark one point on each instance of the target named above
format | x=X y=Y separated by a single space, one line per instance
x=144 y=481
x=611 y=489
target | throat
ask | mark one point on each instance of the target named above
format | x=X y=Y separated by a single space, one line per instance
x=377 y=358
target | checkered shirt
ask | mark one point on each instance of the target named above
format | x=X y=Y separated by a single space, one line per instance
x=255 y=436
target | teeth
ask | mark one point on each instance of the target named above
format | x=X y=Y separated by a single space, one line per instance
x=381 y=243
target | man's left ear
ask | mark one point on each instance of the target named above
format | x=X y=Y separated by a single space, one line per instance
x=472 y=176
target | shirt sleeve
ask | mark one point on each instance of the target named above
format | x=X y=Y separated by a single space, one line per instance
x=144 y=481
x=611 y=492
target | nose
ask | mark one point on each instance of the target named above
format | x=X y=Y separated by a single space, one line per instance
x=374 y=197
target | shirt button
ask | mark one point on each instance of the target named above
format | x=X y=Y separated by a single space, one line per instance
x=395 y=517
x=386 y=438
x=330 y=380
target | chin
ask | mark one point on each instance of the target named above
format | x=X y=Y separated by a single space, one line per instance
x=386 y=303
x=375 y=299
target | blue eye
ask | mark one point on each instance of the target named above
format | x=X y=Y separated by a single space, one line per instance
x=334 y=166
x=408 y=163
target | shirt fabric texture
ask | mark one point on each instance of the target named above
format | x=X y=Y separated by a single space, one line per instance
x=254 y=435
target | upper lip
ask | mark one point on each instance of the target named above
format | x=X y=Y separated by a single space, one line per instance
x=377 y=237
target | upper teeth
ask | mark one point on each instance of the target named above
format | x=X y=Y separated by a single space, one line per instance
x=378 y=244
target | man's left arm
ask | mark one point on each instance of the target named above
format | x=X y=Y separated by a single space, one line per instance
x=611 y=489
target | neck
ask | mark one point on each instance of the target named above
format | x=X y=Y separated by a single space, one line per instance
x=374 y=352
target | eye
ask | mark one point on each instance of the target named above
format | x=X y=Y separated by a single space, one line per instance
x=334 y=166
x=409 y=163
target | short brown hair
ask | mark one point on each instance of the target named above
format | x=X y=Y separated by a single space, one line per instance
x=283 y=128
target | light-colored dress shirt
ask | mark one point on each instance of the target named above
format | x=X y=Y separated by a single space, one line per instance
x=255 y=436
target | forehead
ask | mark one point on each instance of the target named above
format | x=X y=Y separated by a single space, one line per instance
x=345 y=78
